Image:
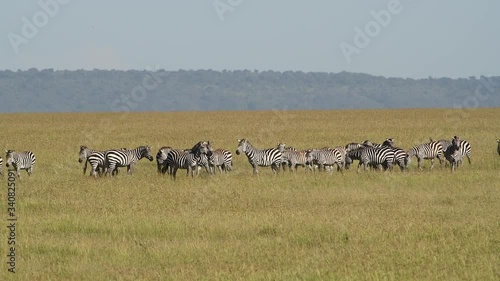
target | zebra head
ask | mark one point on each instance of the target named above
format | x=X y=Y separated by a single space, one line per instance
x=367 y=143
x=210 y=148
x=146 y=152
x=84 y=153
x=388 y=142
x=455 y=142
x=310 y=156
x=242 y=146
x=409 y=154
x=281 y=146
x=202 y=147
x=9 y=157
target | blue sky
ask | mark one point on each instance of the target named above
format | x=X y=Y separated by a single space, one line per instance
x=421 y=38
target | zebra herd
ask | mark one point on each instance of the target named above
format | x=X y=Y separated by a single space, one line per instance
x=370 y=155
x=202 y=155
x=168 y=159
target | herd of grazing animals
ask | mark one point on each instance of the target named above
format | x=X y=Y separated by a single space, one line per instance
x=202 y=155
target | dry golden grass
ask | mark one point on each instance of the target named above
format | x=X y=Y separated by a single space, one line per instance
x=418 y=225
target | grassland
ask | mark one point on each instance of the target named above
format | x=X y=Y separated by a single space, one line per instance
x=418 y=225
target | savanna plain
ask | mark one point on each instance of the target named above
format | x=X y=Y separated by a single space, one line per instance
x=371 y=225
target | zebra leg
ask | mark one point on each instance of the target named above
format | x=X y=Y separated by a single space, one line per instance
x=30 y=170
x=85 y=168
x=255 y=171
x=129 y=169
x=110 y=170
x=275 y=168
x=419 y=161
x=432 y=163
x=173 y=173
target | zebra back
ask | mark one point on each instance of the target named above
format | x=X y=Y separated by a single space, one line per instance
x=120 y=158
x=428 y=150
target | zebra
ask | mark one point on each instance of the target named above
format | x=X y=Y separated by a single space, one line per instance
x=122 y=158
x=400 y=158
x=176 y=159
x=354 y=150
x=222 y=160
x=1 y=164
x=445 y=144
x=377 y=156
x=353 y=145
x=20 y=161
x=297 y=158
x=189 y=159
x=354 y=154
x=453 y=153
x=284 y=154
x=96 y=160
x=161 y=158
x=464 y=148
x=257 y=157
x=84 y=153
x=428 y=150
x=327 y=157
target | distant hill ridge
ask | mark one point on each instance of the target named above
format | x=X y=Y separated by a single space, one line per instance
x=189 y=90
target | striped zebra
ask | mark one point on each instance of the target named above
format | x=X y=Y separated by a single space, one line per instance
x=297 y=158
x=464 y=148
x=354 y=150
x=257 y=157
x=128 y=158
x=189 y=160
x=382 y=157
x=428 y=150
x=284 y=154
x=222 y=160
x=453 y=153
x=84 y=153
x=445 y=144
x=400 y=158
x=389 y=142
x=176 y=159
x=327 y=157
x=1 y=165
x=96 y=161
x=20 y=161
x=161 y=157
x=353 y=145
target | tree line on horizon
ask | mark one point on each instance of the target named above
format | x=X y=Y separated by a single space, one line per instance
x=51 y=90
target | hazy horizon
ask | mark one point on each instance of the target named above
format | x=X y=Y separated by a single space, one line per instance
x=408 y=39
